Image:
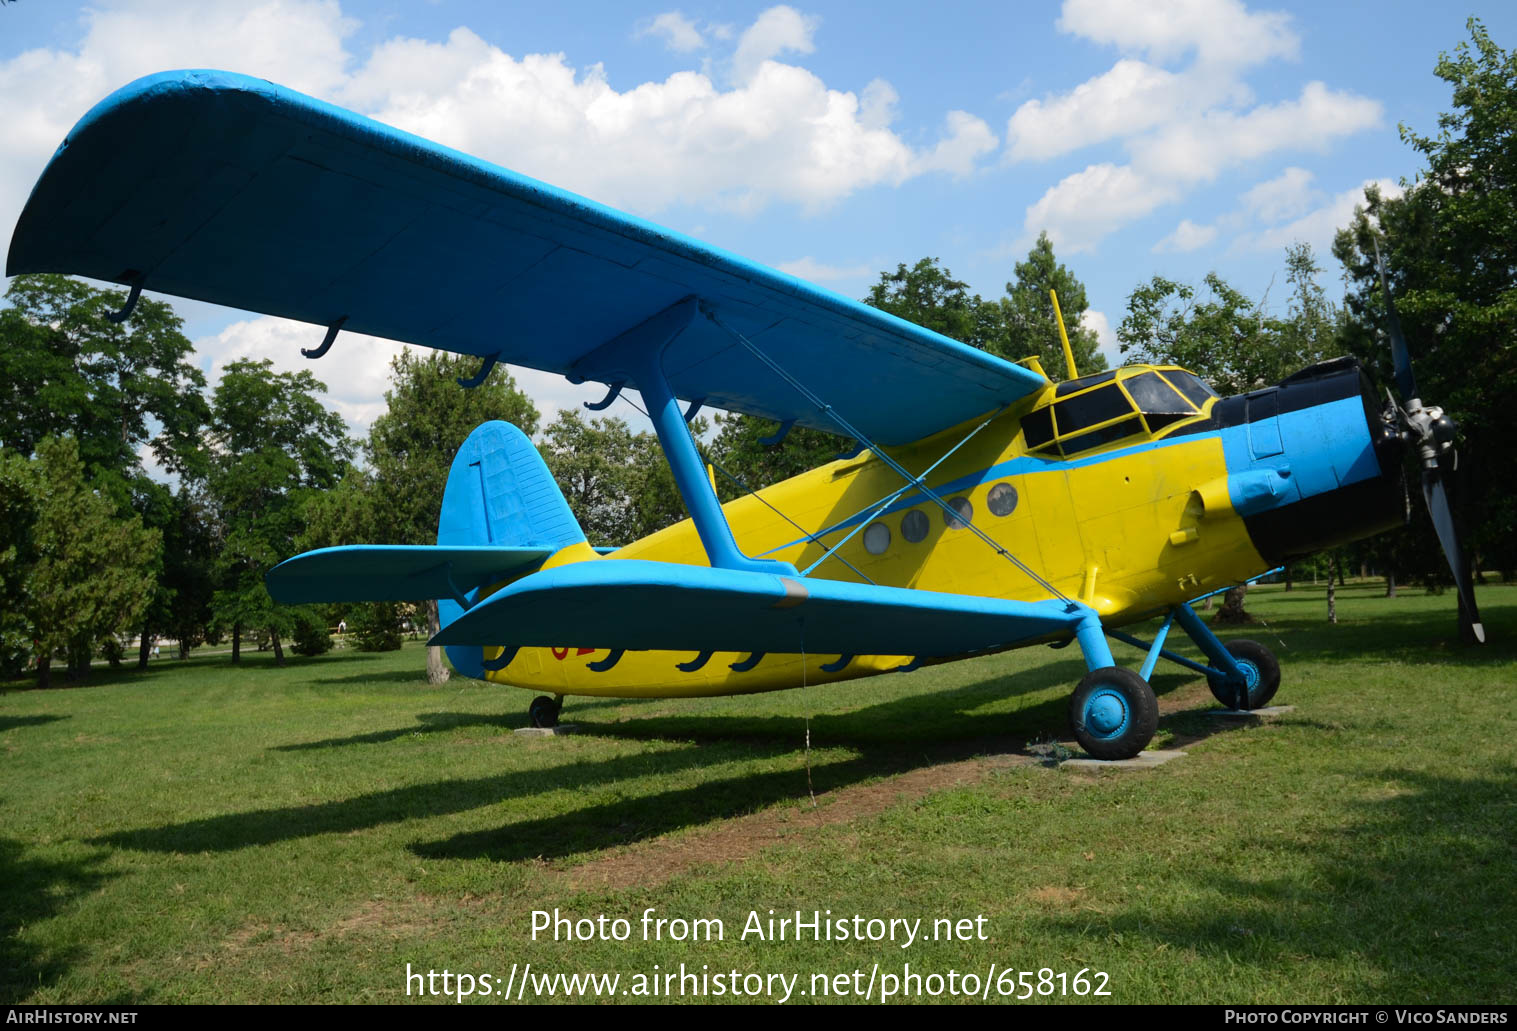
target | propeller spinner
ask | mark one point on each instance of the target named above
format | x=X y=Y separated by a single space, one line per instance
x=1431 y=432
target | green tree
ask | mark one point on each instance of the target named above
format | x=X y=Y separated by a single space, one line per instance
x=273 y=445
x=1030 y=327
x=740 y=449
x=1219 y=334
x=114 y=387
x=84 y=573
x=1450 y=246
x=928 y=295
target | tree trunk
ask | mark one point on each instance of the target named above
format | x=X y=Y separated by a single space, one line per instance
x=437 y=673
x=236 y=642
x=144 y=648
x=1232 y=610
x=278 y=649
x=1290 y=583
x=45 y=671
x=1340 y=566
x=1390 y=583
x=78 y=661
x=1332 y=590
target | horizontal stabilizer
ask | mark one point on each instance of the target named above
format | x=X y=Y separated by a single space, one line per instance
x=626 y=603
x=395 y=572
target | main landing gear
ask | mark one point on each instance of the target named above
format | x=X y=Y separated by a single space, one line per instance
x=543 y=712
x=1114 y=711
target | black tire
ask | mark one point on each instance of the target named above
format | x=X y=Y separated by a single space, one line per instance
x=1262 y=669
x=1114 y=713
x=543 y=712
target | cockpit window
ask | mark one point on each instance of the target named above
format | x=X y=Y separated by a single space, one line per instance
x=1193 y=389
x=1160 y=404
x=1156 y=397
x=1094 y=411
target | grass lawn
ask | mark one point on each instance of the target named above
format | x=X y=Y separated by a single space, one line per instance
x=210 y=833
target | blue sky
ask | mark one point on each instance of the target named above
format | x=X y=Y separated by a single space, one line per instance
x=832 y=140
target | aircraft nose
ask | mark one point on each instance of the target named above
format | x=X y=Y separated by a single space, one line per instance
x=1337 y=459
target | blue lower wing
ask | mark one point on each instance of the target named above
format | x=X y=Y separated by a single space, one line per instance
x=625 y=603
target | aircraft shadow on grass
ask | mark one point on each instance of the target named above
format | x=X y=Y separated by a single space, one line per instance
x=917 y=731
x=36 y=890
x=15 y=722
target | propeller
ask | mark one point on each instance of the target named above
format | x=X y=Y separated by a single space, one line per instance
x=1431 y=432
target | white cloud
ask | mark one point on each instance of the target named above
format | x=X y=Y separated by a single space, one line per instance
x=1129 y=98
x=1285 y=196
x=1318 y=226
x=1098 y=323
x=1180 y=128
x=780 y=136
x=1083 y=207
x=779 y=30
x=1218 y=32
x=966 y=140
x=678 y=32
x=1187 y=237
x=1196 y=149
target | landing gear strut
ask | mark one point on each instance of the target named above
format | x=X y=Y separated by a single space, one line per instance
x=1113 y=710
x=543 y=712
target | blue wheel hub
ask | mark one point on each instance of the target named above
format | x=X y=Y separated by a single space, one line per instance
x=1107 y=713
x=1250 y=674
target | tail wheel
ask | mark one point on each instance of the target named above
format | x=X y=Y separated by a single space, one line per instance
x=1114 y=713
x=543 y=712
x=1261 y=671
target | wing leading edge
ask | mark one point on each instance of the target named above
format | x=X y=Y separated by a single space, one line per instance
x=236 y=191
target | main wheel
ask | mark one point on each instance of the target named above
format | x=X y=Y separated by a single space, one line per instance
x=1114 y=713
x=543 y=712
x=1260 y=669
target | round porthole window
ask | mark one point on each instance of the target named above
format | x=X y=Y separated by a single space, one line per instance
x=876 y=538
x=1002 y=500
x=914 y=525
x=965 y=513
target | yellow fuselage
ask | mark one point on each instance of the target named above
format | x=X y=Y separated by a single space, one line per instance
x=1130 y=530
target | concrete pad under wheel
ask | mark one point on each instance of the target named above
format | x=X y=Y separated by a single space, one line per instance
x=1264 y=713
x=1141 y=761
x=563 y=728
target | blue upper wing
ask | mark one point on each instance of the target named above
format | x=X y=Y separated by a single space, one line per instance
x=233 y=190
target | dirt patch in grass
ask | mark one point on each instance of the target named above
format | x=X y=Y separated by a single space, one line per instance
x=653 y=862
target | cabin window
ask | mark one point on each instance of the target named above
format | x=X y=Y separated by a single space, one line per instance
x=965 y=513
x=1101 y=436
x=914 y=526
x=1077 y=413
x=1002 y=499
x=876 y=538
x=1037 y=428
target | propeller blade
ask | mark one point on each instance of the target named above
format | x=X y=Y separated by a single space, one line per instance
x=1448 y=535
x=1400 y=354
